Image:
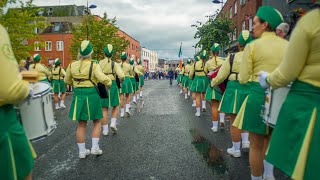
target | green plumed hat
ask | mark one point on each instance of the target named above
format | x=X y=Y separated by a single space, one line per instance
x=36 y=57
x=57 y=62
x=197 y=58
x=189 y=61
x=216 y=47
x=139 y=61
x=244 y=37
x=108 y=50
x=204 y=54
x=131 y=61
x=271 y=15
x=124 y=56
x=85 y=48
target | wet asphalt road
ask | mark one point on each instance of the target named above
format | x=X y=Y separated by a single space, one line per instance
x=161 y=140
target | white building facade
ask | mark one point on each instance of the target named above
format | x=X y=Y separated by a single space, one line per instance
x=149 y=59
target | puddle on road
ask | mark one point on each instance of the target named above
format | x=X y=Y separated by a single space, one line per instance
x=209 y=152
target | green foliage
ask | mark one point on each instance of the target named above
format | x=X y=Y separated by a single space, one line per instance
x=21 y=23
x=215 y=30
x=101 y=32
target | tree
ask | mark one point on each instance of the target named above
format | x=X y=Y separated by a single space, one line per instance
x=21 y=23
x=215 y=30
x=102 y=31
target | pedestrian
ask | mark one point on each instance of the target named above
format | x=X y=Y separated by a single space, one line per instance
x=294 y=146
x=58 y=85
x=283 y=30
x=200 y=81
x=28 y=62
x=170 y=75
x=16 y=151
x=262 y=54
x=186 y=79
x=42 y=70
x=141 y=80
x=135 y=84
x=234 y=94
x=214 y=94
x=113 y=71
x=126 y=86
x=22 y=65
x=86 y=102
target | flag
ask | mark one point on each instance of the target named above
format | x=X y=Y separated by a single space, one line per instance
x=180 y=56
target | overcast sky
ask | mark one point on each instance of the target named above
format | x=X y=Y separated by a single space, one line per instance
x=159 y=25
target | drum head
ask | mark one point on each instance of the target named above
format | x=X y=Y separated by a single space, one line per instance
x=40 y=88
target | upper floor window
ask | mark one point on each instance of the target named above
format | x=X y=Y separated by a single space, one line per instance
x=59 y=45
x=48 y=46
x=243 y=25
x=230 y=12
x=235 y=7
x=234 y=35
x=37 y=46
x=250 y=24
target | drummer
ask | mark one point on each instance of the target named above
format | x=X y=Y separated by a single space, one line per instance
x=200 y=82
x=43 y=71
x=294 y=146
x=235 y=93
x=16 y=151
x=86 y=102
x=113 y=71
x=58 y=84
x=186 y=79
x=126 y=86
x=214 y=94
x=263 y=54
x=141 y=78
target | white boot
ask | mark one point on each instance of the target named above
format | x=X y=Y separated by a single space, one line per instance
x=57 y=106
x=62 y=104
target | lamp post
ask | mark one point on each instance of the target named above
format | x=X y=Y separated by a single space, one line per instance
x=92 y=6
x=218 y=2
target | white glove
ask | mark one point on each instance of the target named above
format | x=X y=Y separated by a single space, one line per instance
x=263 y=79
x=31 y=93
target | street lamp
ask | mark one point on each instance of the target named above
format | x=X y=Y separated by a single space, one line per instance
x=92 y=6
x=218 y=2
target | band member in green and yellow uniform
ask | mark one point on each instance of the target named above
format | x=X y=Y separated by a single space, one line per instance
x=235 y=93
x=16 y=151
x=196 y=59
x=43 y=71
x=112 y=70
x=262 y=54
x=141 y=80
x=86 y=102
x=186 y=79
x=200 y=82
x=294 y=146
x=126 y=85
x=180 y=78
x=214 y=94
x=135 y=85
x=58 y=85
x=178 y=74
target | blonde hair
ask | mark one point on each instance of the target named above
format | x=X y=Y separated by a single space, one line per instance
x=22 y=63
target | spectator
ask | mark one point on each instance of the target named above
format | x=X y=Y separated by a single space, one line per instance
x=282 y=30
x=22 y=65
x=28 y=62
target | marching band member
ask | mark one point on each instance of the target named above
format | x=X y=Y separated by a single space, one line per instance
x=16 y=151
x=126 y=85
x=200 y=81
x=112 y=70
x=135 y=84
x=141 y=80
x=43 y=71
x=178 y=72
x=264 y=54
x=86 y=102
x=235 y=93
x=180 y=79
x=186 y=79
x=58 y=85
x=294 y=146
x=214 y=94
x=196 y=59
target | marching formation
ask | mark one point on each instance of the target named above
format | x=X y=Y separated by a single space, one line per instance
x=269 y=90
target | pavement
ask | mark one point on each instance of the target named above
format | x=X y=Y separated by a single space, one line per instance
x=161 y=140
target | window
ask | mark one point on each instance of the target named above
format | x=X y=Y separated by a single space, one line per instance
x=230 y=37
x=37 y=46
x=59 y=45
x=235 y=7
x=250 y=24
x=234 y=35
x=230 y=12
x=37 y=30
x=242 y=2
x=243 y=25
x=48 y=46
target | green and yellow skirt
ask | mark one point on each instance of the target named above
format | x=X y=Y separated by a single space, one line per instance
x=126 y=86
x=58 y=86
x=16 y=151
x=233 y=97
x=213 y=93
x=200 y=84
x=185 y=81
x=135 y=84
x=295 y=142
x=46 y=80
x=141 y=81
x=113 y=96
x=86 y=104
x=179 y=78
x=249 y=117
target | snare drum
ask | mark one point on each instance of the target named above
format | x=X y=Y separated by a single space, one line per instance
x=273 y=102
x=36 y=113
